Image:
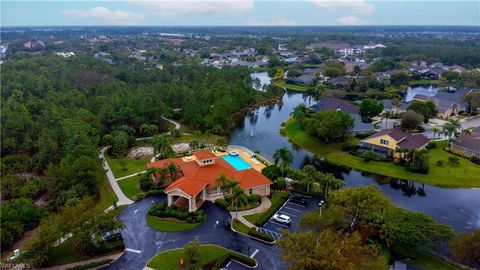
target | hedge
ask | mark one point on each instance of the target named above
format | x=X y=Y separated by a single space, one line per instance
x=91 y=265
x=261 y=235
x=243 y=259
x=274 y=208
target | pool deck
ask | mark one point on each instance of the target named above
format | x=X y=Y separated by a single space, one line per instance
x=257 y=165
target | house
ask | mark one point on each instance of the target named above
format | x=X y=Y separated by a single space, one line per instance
x=340 y=81
x=197 y=183
x=445 y=108
x=337 y=104
x=388 y=141
x=468 y=145
x=302 y=80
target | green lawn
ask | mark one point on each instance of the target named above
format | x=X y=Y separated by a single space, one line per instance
x=107 y=196
x=169 y=225
x=169 y=260
x=427 y=81
x=253 y=217
x=447 y=176
x=289 y=86
x=66 y=253
x=430 y=262
x=239 y=226
x=126 y=166
x=130 y=186
x=276 y=202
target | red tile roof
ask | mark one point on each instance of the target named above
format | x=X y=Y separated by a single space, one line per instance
x=207 y=174
x=187 y=185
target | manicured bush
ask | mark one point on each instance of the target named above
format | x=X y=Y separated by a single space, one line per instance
x=454 y=161
x=272 y=172
x=162 y=210
x=222 y=203
x=431 y=145
x=276 y=204
x=91 y=265
x=281 y=183
x=243 y=259
x=475 y=160
x=154 y=192
x=139 y=197
x=255 y=198
x=258 y=234
x=439 y=163
x=348 y=147
x=210 y=265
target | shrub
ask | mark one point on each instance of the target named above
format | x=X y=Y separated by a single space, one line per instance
x=255 y=198
x=272 y=172
x=189 y=220
x=475 y=160
x=258 y=234
x=145 y=183
x=139 y=197
x=106 y=247
x=154 y=192
x=222 y=203
x=348 y=147
x=91 y=265
x=210 y=265
x=431 y=145
x=439 y=163
x=275 y=206
x=243 y=259
x=281 y=183
x=454 y=161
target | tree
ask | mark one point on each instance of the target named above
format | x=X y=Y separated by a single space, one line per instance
x=283 y=158
x=174 y=171
x=192 y=251
x=399 y=78
x=208 y=133
x=451 y=128
x=411 y=120
x=148 y=130
x=450 y=75
x=223 y=181
x=161 y=147
x=473 y=101
x=466 y=248
x=329 y=181
x=334 y=68
x=238 y=199
x=312 y=175
x=356 y=70
x=330 y=125
x=427 y=109
x=435 y=131
x=328 y=251
x=417 y=161
x=333 y=217
x=396 y=103
x=387 y=115
x=300 y=112
x=370 y=108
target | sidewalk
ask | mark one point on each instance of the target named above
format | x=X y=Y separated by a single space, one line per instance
x=266 y=203
x=113 y=257
x=122 y=199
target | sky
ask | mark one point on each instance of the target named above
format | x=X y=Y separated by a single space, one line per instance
x=243 y=13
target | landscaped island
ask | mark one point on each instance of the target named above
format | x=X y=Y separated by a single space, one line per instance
x=457 y=176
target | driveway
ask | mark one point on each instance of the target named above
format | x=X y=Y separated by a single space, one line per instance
x=142 y=242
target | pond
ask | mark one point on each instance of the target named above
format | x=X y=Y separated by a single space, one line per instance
x=427 y=90
x=263 y=77
x=259 y=130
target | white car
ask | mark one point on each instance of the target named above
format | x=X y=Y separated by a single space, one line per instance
x=284 y=219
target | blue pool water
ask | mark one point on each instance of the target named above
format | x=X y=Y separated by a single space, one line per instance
x=237 y=162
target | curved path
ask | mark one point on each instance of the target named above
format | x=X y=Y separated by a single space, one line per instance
x=266 y=203
x=142 y=242
x=122 y=199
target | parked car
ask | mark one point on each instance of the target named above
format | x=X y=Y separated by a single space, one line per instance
x=299 y=199
x=322 y=202
x=111 y=235
x=284 y=219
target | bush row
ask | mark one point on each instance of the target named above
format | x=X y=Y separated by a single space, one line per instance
x=91 y=265
x=162 y=210
x=261 y=235
x=243 y=259
x=275 y=206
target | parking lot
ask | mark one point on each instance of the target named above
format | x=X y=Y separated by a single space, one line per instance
x=294 y=211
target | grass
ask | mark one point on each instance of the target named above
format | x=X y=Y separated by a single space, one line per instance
x=124 y=166
x=66 y=253
x=427 y=81
x=253 y=217
x=430 y=262
x=289 y=86
x=450 y=176
x=130 y=187
x=239 y=226
x=277 y=200
x=170 y=258
x=169 y=225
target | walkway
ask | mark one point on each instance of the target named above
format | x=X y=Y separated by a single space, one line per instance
x=131 y=175
x=177 y=126
x=264 y=206
x=113 y=257
x=122 y=199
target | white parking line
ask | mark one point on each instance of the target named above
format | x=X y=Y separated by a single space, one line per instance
x=296 y=204
x=286 y=213
x=228 y=264
x=254 y=253
x=278 y=223
x=292 y=209
x=133 y=250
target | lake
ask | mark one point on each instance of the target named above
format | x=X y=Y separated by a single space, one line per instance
x=262 y=76
x=427 y=90
x=259 y=130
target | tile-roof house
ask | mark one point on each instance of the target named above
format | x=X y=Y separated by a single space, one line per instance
x=305 y=79
x=446 y=108
x=338 y=104
x=200 y=171
x=468 y=144
x=387 y=141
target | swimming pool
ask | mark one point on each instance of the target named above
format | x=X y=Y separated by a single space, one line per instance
x=237 y=162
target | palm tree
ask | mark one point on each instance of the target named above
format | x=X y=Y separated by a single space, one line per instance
x=239 y=199
x=311 y=174
x=207 y=135
x=162 y=147
x=308 y=94
x=451 y=128
x=283 y=158
x=174 y=171
x=224 y=182
x=330 y=181
x=435 y=131
x=396 y=103
x=356 y=70
x=300 y=112
x=387 y=114
x=152 y=172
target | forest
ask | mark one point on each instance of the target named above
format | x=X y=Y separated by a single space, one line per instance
x=56 y=111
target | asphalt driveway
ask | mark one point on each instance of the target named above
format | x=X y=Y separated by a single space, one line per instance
x=142 y=242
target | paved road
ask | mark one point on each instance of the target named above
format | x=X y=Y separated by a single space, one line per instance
x=143 y=243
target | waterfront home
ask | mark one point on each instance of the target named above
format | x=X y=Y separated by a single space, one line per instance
x=445 y=108
x=388 y=141
x=199 y=173
x=468 y=145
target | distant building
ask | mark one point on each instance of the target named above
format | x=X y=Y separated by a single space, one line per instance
x=446 y=108
x=388 y=141
x=468 y=145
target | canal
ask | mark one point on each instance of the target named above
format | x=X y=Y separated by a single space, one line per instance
x=259 y=130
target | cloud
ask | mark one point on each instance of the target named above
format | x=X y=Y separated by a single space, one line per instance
x=105 y=15
x=176 y=7
x=276 y=22
x=348 y=6
x=351 y=20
